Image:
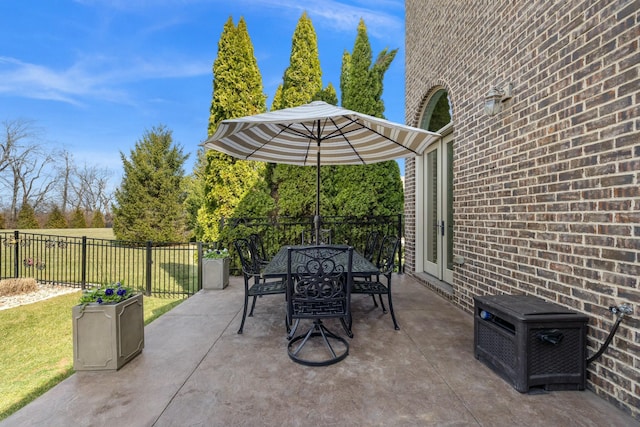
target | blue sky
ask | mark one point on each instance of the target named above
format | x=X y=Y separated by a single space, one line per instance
x=94 y=75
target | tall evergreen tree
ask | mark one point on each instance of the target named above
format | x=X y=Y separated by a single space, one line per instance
x=149 y=201
x=295 y=186
x=237 y=92
x=56 y=219
x=366 y=189
x=27 y=217
x=303 y=78
x=77 y=219
x=97 y=220
x=361 y=83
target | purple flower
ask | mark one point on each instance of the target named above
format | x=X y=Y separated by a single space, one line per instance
x=108 y=292
x=121 y=292
x=99 y=300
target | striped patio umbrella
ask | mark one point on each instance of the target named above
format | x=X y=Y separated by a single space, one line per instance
x=318 y=134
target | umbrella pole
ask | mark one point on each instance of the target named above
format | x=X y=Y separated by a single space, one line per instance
x=317 y=220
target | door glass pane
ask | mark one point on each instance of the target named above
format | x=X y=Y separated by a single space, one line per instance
x=449 y=237
x=431 y=224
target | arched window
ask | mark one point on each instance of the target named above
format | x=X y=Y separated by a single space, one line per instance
x=438 y=112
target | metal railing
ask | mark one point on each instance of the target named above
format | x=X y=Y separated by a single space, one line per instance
x=168 y=269
x=289 y=231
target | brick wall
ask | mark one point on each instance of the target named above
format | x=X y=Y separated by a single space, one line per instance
x=547 y=193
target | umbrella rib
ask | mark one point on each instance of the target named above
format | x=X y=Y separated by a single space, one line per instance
x=353 y=121
x=339 y=130
x=284 y=128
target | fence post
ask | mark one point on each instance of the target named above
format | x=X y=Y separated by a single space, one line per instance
x=148 y=271
x=16 y=254
x=200 y=266
x=400 y=236
x=83 y=265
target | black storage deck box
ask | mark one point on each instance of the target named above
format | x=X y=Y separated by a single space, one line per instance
x=530 y=342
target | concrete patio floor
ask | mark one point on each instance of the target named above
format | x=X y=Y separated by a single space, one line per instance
x=196 y=370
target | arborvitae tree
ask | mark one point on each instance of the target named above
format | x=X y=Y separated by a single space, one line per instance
x=303 y=78
x=277 y=98
x=327 y=95
x=77 y=219
x=97 y=220
x=237 y=92
x=56 y=219
x=361 y=83
x=149 y=201
x=295 y=186
x=367 y=189
x=27 y=217
x=237 y=83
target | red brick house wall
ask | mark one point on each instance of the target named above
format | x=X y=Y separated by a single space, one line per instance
x=546 y=193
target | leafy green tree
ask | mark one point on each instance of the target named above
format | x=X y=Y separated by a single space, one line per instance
x=97 y=220
x=237 y=91
x=56 y=219
x=366 y=189
x=27 y=217
x=149 y=201
x=77 y=219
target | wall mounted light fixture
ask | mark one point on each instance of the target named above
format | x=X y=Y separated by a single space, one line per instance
x=494 y=99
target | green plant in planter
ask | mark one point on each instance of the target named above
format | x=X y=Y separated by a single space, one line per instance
x=108 y=294
x=217 y=253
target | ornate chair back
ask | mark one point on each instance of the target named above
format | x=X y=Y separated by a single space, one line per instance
x=371 y=246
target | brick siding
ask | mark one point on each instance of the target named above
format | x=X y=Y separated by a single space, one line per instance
x=546 y=193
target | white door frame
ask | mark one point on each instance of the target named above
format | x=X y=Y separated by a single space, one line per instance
x=440 y=269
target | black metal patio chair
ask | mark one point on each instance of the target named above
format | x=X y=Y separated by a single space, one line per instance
x=318 y=288
x=374 y=286
x=254 y=285
x=371 y=246
x=257 y=248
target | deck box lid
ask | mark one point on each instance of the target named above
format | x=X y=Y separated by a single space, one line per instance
x=527 y=307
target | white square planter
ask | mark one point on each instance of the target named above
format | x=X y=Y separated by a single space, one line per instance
x=215 y=273
x=106 y=336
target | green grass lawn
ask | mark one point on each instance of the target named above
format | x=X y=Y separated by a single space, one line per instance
x=36 y=346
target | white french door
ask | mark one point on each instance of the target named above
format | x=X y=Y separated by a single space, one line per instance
x=437 y=226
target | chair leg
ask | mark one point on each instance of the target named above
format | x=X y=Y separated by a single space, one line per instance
x=253 y=305
x=384 y=309
x=318 y=330
x=292 y=330
x=244 y=313
x=346 y=324
x=373 y=297
x=393 y=316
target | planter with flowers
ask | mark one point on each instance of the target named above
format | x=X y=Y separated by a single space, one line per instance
x=215 y=269
x=108 y=328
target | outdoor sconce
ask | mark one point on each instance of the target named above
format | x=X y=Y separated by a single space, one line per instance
x=494 y=99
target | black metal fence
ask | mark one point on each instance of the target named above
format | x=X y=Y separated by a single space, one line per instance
x=168 y=270
x=288 y=231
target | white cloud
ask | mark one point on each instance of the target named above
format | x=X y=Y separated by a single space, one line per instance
x=91 y=77
x=344 y=16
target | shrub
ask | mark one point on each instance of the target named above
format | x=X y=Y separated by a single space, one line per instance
x=17 y=286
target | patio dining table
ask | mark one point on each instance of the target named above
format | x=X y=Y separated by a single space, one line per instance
x=277 y=267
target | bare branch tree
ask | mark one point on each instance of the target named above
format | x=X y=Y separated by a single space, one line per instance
x=24 y=164
x=90 y=188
